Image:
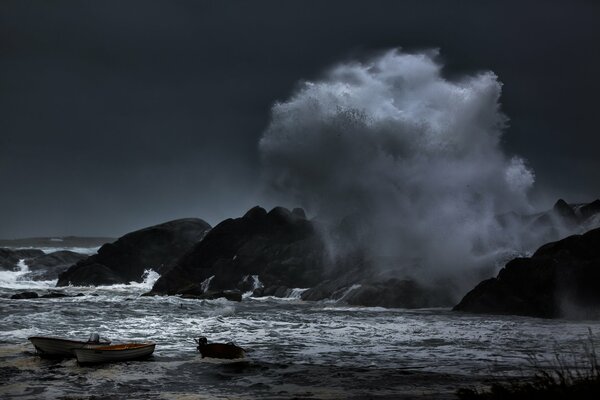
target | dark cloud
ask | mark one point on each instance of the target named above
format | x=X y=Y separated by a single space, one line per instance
x=115 y=115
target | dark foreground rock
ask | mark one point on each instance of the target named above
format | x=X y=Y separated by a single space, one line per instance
x=125 y=260
x=559 y=280
x=280 y=246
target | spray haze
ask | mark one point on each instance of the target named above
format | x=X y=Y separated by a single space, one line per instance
x=408 y=163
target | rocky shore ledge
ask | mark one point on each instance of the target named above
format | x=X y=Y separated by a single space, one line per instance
x=277 y=252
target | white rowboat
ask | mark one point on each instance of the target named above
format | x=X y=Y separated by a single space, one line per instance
x=117 y=352
x=51 y=347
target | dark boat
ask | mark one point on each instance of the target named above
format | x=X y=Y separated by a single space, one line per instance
x=219 y=350
x=52 y=347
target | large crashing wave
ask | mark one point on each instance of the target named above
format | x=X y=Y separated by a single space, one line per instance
x=408 y=161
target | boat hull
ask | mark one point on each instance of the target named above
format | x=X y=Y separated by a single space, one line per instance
x=116 y=353
x=49 y=347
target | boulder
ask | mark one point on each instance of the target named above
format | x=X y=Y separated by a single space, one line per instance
x=24 y=295
x=9 y=258
x=50 y=295
x=49 y=266
x=559 y=280
x=126 y=259
x=282 y=247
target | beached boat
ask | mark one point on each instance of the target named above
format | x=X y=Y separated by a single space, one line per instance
x=53 y=347
x=114 y=353
x=219 y=350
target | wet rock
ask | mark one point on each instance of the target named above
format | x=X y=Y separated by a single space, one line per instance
x=24 y=295
x=282 y=247
x=125 y=260
x=54 y=295
x=9 y=258
x=231 y=295
x=275 y=291
x=559 y=280
x=49 y=266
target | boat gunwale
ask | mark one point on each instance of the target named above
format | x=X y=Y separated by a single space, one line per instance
x=107 y=343
x=120 y=347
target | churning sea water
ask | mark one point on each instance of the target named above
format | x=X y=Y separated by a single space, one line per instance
x=295 y=349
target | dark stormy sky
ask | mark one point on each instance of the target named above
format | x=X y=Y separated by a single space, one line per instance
x=115 y=115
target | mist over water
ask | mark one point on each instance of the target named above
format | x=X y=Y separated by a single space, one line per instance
x=400 y=162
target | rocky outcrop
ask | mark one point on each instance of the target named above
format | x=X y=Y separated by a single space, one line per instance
x=50 y=266
x=559 y=280
x=9 y=258
x=285 y=251
x=24 y=295
x=125 y=260
x=280 y=246
x=35 y=295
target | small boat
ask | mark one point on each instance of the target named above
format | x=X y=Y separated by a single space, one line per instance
x=117 y=352
x=53 y=347
x=219 y=350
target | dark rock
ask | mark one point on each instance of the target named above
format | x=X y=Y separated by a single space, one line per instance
x=276 y=291
x=281 y=247
x=9 y=258
x=24 y=295
x=560 y=279
x=55 y=259
x=125 y=260
x=49 y=266
x=95 y=274
x=298 y=212
x=255 y=213
x=28 y=253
